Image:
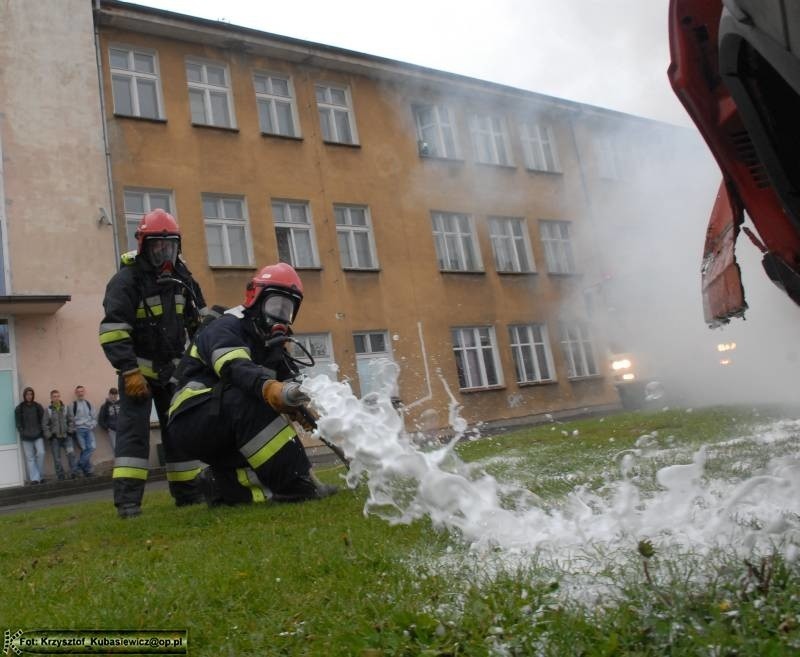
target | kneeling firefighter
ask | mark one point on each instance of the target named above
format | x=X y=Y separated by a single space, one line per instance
x=232 y=394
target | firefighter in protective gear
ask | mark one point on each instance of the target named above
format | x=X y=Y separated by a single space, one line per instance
x=233 y=395
x=152 y=308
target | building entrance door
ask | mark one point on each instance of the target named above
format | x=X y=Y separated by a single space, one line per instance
x=10 y=458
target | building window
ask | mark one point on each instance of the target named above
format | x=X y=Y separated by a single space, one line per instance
x=607 y=158
x=539 y=145
x=490 y=139
x=138 y=202
x=510 y=244
x=576 y=341
x=373 y=353
x=557 y=247
x=321 y=349
x=456 y=244
x=530 y=347
x=336 y=114
x=135 y=83
x=435 y=131
x=354 y=232
x=227 y=231
x=294 y=233
x=477 y=363
x=210 y=97
x=277 y=112
x=5 y=337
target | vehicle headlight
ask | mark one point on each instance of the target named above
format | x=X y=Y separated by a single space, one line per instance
x=628 y=377
x=623 y=364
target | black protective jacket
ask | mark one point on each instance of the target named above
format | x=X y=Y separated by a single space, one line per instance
x=147 y=323
x=229 y=351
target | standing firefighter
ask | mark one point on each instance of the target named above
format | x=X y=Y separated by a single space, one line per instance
x=152 y=307
x=232 y=394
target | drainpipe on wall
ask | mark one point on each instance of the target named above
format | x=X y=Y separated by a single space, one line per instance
x=106 y=149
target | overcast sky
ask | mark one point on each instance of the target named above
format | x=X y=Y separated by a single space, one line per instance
x=611 y=53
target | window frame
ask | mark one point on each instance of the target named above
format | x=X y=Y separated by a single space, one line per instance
x=350 y=230
x=518 y=345
x=133 y=75
x=440 y=241
x=559 y=254
x=538 y=140
x=328 y=361
x=331 y=107
x=224 y=222
x=272 y=99
x=568 y=346
x=524 y=238
x=483 y=383
x=207 y=88
x=439 y=145
x=132 y=219
x=607 y=158
x=373 y=355
x=478 y=132
x=295 y=226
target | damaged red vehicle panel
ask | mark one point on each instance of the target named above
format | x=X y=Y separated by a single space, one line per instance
x=736 y=69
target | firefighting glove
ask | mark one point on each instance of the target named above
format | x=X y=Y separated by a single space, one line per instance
x=283 y=396
x=136 y=385
x=304 y=420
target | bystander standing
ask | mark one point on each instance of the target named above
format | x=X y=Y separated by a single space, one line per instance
x=29 y=416
x=57 y=426
x=107 y=417
x=83 y=417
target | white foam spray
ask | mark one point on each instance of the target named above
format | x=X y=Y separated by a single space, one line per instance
x=681 y=510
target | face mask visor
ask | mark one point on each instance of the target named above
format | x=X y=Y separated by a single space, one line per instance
x=277 y=309
x=161 y=250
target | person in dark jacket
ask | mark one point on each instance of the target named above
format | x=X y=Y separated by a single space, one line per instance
x=233 y=393
x=107 y=416
x=29 y=416
x=152 y=308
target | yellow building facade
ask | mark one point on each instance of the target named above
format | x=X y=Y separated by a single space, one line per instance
x=435 y=220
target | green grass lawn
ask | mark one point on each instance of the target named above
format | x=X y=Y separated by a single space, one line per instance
x=322 y=579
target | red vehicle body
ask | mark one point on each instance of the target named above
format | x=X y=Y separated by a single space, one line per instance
x=736 y=69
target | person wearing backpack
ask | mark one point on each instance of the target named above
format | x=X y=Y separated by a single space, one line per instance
x=29 y=416
x=84 y=424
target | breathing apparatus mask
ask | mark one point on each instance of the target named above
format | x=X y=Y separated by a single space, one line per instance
x=276 y=313
x=162 y=252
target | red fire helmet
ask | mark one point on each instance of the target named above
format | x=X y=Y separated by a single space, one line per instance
x=156 y=223
x=281 y=277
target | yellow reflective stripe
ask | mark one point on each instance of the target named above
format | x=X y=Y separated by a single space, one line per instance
x=194 y=352
x=179 y=309
x=233 y=354
x=183 y=475
x=255 y=491
x=128 y=258
x=149 y=372
x=183 y=395
x=271 y=448
x=129 y=473
x=114 y=336
x=141 y=313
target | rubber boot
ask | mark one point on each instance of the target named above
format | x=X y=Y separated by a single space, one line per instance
x=304 y=487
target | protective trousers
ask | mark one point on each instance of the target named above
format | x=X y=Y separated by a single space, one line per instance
x=252 y=450
x=132 y=451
